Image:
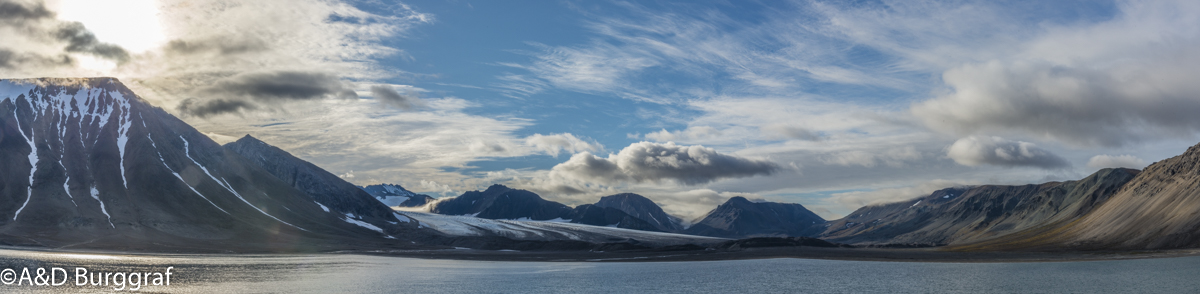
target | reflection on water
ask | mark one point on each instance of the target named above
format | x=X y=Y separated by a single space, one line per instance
x=373 y=274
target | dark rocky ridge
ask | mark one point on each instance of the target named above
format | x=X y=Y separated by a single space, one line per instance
x=965 y=215
x=500 y=202
x=642 y=208
x=741 y=218
x=324 y=187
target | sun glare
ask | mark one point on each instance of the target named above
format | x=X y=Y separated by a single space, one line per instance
x=131 y=24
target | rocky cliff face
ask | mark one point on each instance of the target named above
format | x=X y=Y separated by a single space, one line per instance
x=88 y=164
x=965 y=215
x=741 y=218
x=1157 y=209
x=644 y=209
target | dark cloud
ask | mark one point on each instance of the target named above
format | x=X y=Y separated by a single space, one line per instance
x=15 y=60
x=211 y=107
x=15 y=12
x=79 y=39
x=388 y=95
x=654 y=162
x=280 y=85
x=255 y=90
x=221 y=46
x=976 y=150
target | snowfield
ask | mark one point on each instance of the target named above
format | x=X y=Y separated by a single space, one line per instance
x=548 y=230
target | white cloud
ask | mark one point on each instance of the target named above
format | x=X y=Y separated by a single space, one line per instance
x=553 y=143
x=693 y=133
x=895 y=156
x=977 y=150
x=1107 y=161
x=228 y=56
x=1121 y=81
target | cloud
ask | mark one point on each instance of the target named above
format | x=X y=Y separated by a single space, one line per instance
x=254 y=90
x=79 y=39
x=18 y=12
x=1121 y=81
x=1110 y=161
x=389 y=96
x=692 y=133
x=205 y=108
x=655 y=162
x=36 y=42
x=976 y=151
x=894 y=156
x=553 y=143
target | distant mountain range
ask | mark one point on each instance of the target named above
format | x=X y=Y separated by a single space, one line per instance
x=88 y=164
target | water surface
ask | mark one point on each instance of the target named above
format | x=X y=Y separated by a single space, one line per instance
x=336 y=273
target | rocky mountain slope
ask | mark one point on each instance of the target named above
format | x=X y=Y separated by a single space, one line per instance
x=642 y=208
x=972 y=214
x=1157 y=209
x=89 y=164
x=327 y=189
x=741 y=218
x=395 y=195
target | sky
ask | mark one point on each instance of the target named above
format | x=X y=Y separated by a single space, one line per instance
x=830 y=104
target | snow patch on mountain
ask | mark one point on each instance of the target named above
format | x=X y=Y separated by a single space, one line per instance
x=349 y=218
x=96 y=195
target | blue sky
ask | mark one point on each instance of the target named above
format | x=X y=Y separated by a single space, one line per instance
x=831 y=104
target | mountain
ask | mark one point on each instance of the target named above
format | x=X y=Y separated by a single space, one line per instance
x=741 y=218
x=1157 y=209
x=500 y=202
x=395 y=195
x=644 y=209
x=89 y=164
x=965 y=215
x=327 y=189
x=607 y=216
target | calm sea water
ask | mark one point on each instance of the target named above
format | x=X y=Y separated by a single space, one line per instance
x=373 y=274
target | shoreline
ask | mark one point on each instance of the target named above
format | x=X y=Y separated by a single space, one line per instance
x=844 y=254
x=929 y=255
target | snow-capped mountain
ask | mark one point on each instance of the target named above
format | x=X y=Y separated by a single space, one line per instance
x=87 y=163
x=395 y=195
